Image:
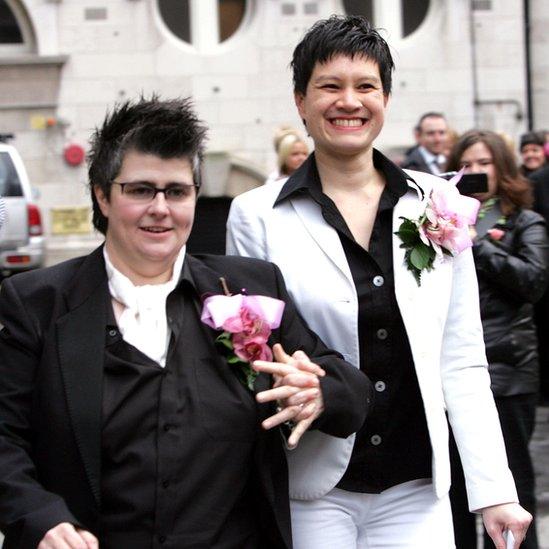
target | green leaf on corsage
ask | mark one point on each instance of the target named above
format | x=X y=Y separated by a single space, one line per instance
x=419 y=256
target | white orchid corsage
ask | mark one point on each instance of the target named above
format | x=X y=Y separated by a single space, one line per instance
x=442 y=229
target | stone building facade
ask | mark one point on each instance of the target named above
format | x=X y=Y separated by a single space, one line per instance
x=64 y=62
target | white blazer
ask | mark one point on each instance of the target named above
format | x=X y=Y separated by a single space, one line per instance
x=441 y=318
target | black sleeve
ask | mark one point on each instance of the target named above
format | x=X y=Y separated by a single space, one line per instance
x=27 y=510
x=347 y=392
x=522 y=273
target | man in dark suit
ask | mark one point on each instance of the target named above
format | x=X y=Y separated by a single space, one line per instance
x=122 y=424
x=431 y=133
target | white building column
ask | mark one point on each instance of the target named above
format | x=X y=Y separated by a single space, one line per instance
x=204 y=24
x=388 y=16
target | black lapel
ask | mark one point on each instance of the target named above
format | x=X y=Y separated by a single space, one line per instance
x=268 y=454
x=207 y=283
x=81 y=345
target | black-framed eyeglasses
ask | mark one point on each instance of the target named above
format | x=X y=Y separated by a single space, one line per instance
x=142 y=191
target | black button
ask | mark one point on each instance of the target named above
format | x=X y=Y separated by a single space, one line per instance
x=382 y=333
x=167 y=427
x=380 y=386
x=165 y=483
x=161 y=539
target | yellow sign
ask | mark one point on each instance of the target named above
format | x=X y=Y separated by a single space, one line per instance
x=70 y=220
x=38 y=122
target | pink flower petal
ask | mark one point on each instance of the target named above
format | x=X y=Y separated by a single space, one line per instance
x=455 y=180
x=218 y=308
x=267 y=308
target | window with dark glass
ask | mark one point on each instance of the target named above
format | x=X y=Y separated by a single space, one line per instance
x=176 y=16
x=10 y=184
x=360 y=7
x=231 y=14
x=413 y=14
x=10 y=33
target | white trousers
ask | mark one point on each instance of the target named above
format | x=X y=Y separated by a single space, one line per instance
x=406 y=516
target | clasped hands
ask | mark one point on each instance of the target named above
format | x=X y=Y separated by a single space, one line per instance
x=296 y=389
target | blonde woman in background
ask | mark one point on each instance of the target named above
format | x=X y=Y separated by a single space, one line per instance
x=291 y=150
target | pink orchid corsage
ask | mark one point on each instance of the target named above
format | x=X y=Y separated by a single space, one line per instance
x=442 y=229
x=247 y=322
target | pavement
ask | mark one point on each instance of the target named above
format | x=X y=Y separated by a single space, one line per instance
x=539 y=447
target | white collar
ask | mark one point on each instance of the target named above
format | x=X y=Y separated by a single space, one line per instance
x=143 y=323
x=113 y=272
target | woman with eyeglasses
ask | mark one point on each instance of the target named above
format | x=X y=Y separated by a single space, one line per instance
x=140 y=406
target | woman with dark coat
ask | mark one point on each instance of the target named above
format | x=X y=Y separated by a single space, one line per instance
x=510 y=250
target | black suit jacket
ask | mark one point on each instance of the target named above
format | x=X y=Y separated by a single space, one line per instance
x=51 y=366
x=415 y=161
x=540 y=183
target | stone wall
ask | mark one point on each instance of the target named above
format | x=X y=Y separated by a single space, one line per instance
x=117 y=49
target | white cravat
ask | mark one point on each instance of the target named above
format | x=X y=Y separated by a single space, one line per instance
x=143 y=323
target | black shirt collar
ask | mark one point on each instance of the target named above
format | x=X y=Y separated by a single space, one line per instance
x=307 y=180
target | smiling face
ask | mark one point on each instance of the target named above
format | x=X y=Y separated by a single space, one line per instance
x=478 y=159
x=144 y=238
x=533 y=156
x=433 y=133
x=344 y=106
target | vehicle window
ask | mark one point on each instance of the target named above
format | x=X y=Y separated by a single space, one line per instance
x=10 y=185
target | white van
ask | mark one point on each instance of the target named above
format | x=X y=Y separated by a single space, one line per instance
x=21 y=238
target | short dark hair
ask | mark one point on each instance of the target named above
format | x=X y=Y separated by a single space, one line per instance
x=424 y=116
x=532 y=138
x=514 y=190
x=351 y=36
x=164 y=128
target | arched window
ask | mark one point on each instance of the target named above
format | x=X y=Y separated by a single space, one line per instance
x=400 y=17
x=10 y=33
x=15 y=30
x=203 y=23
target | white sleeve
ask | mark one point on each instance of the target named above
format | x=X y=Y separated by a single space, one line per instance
x=469 y=400
x=245 y=229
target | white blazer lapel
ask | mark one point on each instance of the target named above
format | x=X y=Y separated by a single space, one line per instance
x=310 y=214
x=411 y=206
